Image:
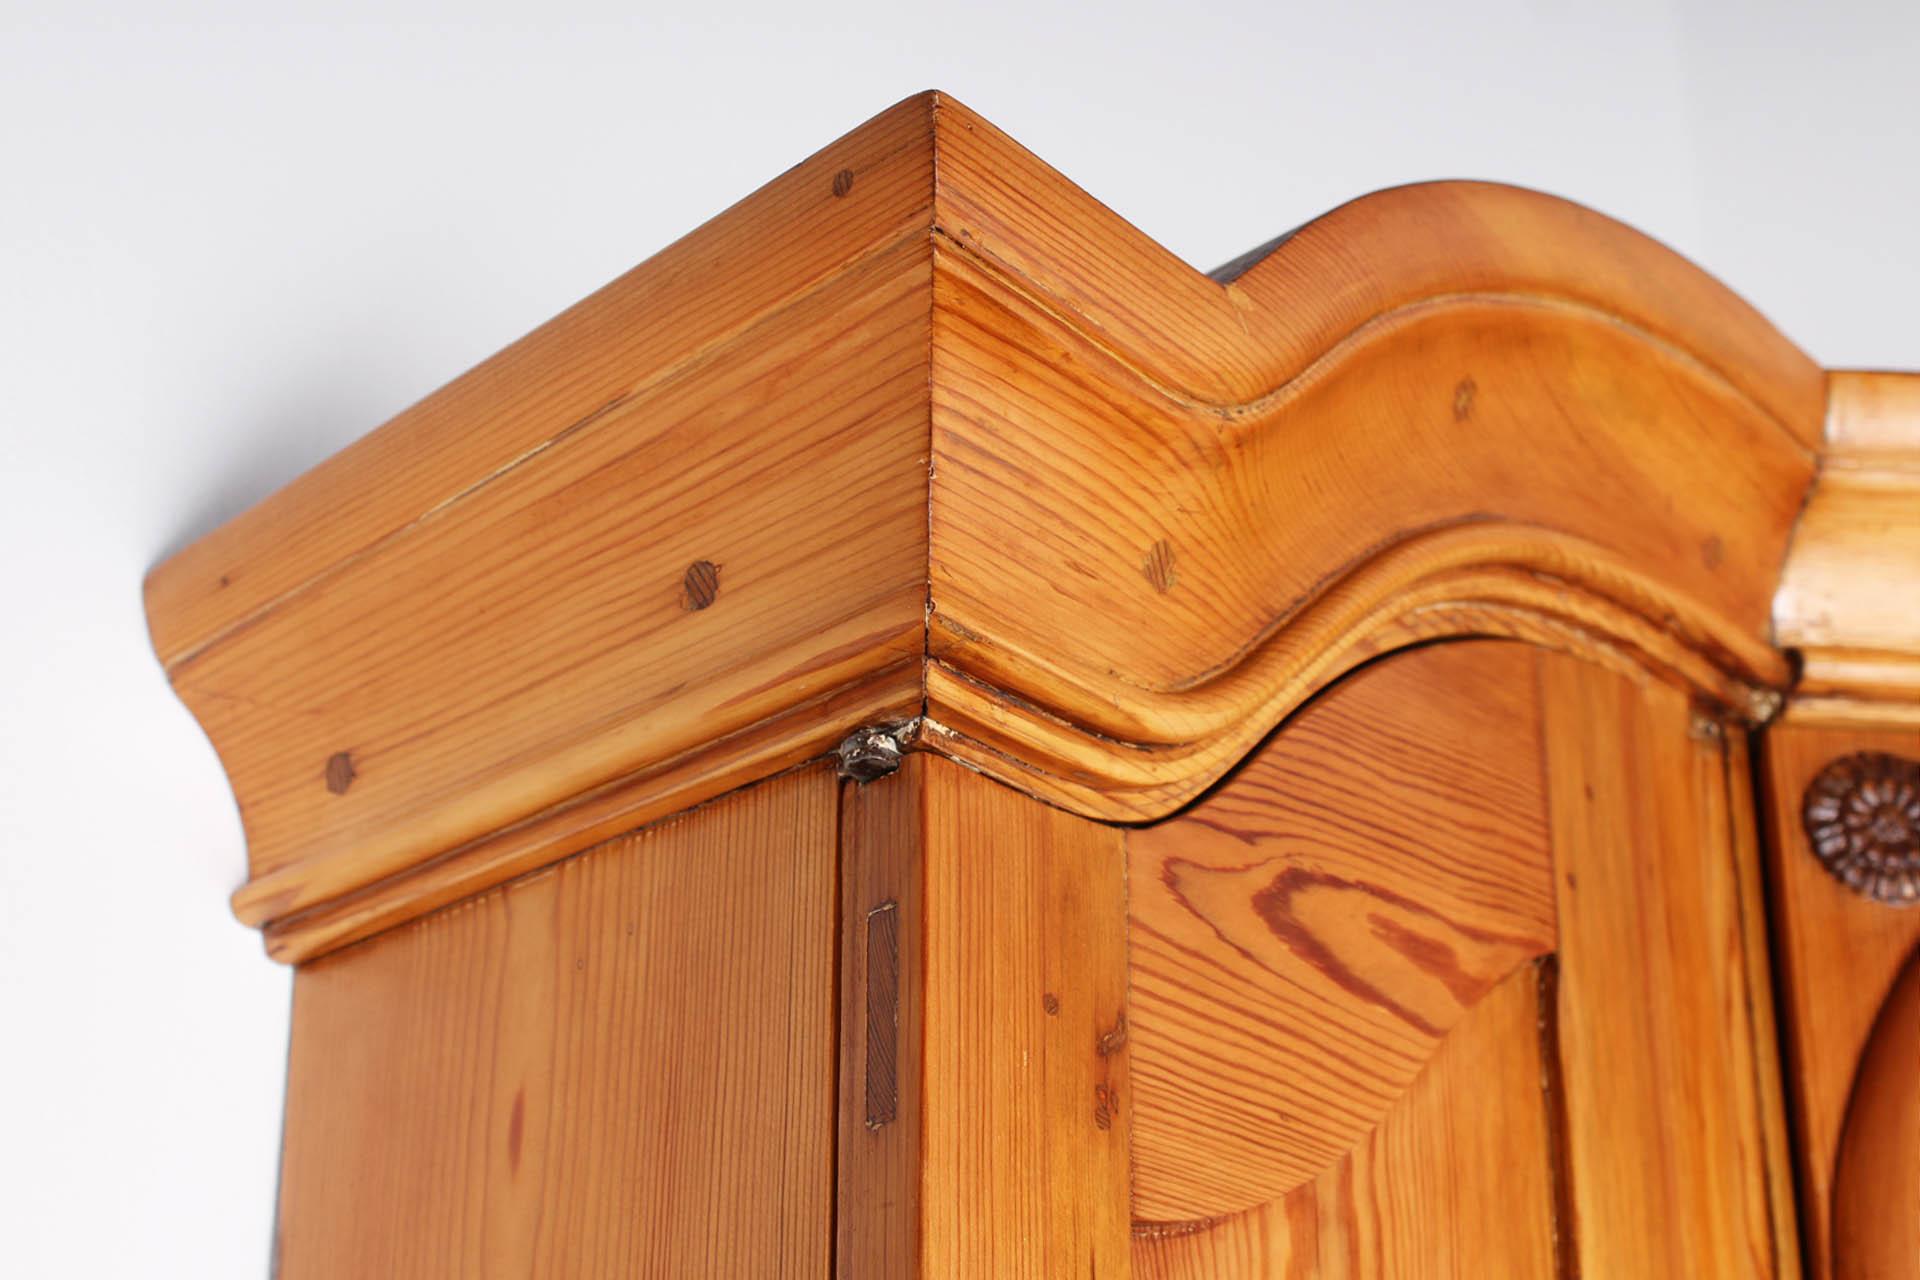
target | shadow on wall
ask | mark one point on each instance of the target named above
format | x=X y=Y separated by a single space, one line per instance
x=283 y=430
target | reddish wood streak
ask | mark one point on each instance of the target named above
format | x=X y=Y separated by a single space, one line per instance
x=1275 y=905
x=516 y=1128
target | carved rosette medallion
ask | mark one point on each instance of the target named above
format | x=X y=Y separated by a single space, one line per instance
x=1862 y=814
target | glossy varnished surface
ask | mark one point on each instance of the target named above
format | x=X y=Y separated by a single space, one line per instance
x=1846 y=593
x=621 y=1066
x=1675 y=1148
x=1463 y=973
x=1840 y=951
x=1007 y=1156
x=1304 y=938
x=921 y=427
x=1455 y=1183
x=1876 y=1184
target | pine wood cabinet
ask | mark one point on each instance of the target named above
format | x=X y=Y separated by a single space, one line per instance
x=915 y=734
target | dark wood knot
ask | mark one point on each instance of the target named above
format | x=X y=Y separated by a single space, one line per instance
x=340 y=772
x=1862 y=815
x=700 y=586
x=843 y=182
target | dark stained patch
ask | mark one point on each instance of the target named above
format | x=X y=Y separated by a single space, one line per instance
x=340 y=772
x=1713 y=552
x=1051 y=1003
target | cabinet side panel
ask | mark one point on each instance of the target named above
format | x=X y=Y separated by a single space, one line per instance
x=1675 y=1162
x=619 y=1066
x=1025 y=1042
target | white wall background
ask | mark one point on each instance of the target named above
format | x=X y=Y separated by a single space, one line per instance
x=234 y=237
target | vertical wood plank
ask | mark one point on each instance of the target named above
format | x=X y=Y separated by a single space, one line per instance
x=1025 y=1041
x=1671 y=1168
x=882 y=839
x=1008 y=1157
x=620 y=1066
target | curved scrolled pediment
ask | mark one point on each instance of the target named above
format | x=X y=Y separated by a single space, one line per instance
x=973 y=452
x=1166 y=509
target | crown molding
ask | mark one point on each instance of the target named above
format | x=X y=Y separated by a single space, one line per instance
x=921 y=432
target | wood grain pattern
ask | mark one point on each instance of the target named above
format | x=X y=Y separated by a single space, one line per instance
x=660 y=319
x=1009 y=1155
x=1838 y=952
x=1876 y=1185
x=880 y=1178
x=483 y=603
x=570 y=659
x=1305 y=938
x=1846 y=592
x=1227 y=342
x=1302 y=545
x=920 y=435
x=780 y=742
x=1455 y=1184
x=620 y=1066
x=1675 y=1145
x=1369 y=435
x=921 y=428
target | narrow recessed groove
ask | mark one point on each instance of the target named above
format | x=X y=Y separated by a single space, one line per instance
x=883 y=1015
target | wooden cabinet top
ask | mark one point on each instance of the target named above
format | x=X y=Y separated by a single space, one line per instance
x=921 y=436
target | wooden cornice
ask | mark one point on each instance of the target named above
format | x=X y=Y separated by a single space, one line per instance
x=1849 y=600
x=922 y=433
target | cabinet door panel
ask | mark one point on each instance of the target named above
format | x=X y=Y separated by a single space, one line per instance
x=1462 y=973
x=1303 y=939
x=1676 y=1148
